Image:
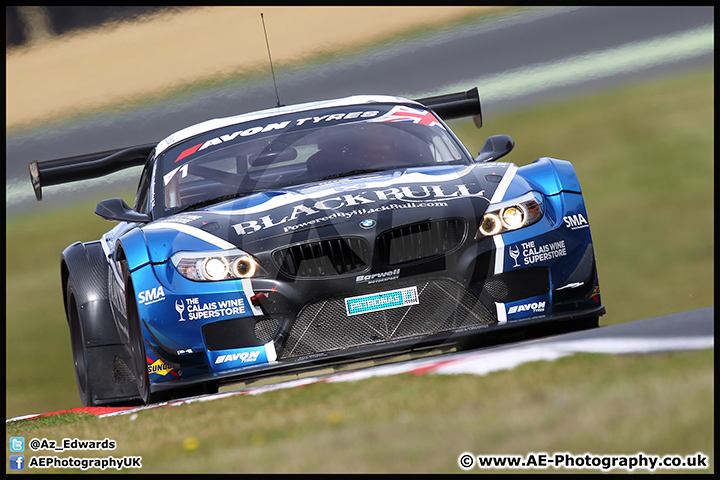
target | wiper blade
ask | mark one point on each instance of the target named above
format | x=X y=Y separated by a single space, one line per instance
x=354 y=172
x=212 y=201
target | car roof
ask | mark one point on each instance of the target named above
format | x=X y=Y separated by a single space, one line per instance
x=215 y=123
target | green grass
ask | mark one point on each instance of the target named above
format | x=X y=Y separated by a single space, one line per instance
x=599 y=404
x=644 y=157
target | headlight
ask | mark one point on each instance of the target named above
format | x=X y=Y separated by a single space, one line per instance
x=511 y=215
x=215 y=266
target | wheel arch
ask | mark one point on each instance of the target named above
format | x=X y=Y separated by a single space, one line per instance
x=85 y=265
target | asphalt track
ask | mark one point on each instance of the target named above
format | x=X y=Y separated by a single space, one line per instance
x=692 y=330
x=519 y=46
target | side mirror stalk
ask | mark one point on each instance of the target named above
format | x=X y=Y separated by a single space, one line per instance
x=116 y=209
x=496 y=146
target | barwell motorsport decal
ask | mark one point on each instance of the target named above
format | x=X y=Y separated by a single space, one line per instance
x=378 y=277
x=415 y=196
x=382 y=301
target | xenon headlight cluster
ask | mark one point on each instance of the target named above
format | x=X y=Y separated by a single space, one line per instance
x=511 y=215
x=215 y=266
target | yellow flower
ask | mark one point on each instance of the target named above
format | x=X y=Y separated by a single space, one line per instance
x=190 y=444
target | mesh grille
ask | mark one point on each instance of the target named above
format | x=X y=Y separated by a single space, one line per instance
x=422 y=240
x=265 y=329
x=335 y=256
x=518 y=284
x=444 y=305
x=497 y=289
x=122 y=372
x=236 y=333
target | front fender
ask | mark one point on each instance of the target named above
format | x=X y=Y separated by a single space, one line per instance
x=85 y=265
x=551 y=176
x=133 y=246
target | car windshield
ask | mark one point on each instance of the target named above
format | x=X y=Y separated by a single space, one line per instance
x=304 y=147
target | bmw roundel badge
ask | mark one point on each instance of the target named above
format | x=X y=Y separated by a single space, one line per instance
x=367 y=223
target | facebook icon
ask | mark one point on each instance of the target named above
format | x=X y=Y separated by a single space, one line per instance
x=17 y=462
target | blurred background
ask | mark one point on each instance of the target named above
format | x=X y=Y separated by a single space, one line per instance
x=624 y=93
x=25 y=25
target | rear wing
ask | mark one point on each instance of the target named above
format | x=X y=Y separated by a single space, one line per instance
x=456 y=105
x=93 y=165
x=83 y=167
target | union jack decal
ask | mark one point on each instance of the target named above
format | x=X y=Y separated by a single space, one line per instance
x=408 y=114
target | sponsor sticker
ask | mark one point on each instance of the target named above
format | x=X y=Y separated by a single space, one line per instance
x=532 y=253
x=241 y=357
x=575 y=222
x=534 y=307
x=382 y=301
x=365 y=202
x=160 y=368
x=193 y=309
x=153 y=295
x=378 y=277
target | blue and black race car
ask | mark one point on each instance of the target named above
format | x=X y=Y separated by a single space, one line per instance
x=316 y=233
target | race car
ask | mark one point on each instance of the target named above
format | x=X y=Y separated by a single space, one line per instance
x=316 y=233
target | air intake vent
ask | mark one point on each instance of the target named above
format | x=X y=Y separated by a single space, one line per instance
x=321 y=258
x=443 y=305
x=422 y=240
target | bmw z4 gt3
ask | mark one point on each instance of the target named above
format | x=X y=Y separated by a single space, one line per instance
x=319 y=232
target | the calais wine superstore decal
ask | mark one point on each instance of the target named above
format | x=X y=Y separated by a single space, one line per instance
x=194 y=309
x=529 y=253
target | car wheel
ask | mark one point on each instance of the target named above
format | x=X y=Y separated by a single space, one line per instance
x=79 y=350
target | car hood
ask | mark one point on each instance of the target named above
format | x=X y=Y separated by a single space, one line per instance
x=337 y=207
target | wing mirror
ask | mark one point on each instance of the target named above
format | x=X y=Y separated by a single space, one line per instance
x=116 y=209
x=496 y=146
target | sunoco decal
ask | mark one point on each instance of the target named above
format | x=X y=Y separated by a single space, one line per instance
x=381 y=301
x=159 y=368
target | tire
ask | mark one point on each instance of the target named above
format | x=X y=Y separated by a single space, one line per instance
x=79 y=349
x=137 y=345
